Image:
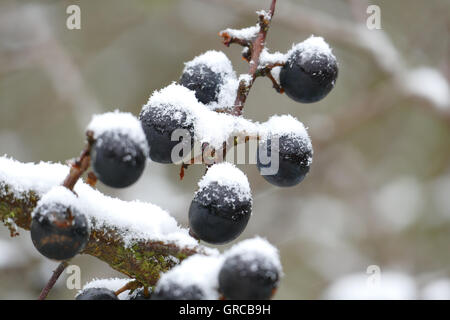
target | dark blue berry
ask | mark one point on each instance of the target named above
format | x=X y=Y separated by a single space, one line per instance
x=97 y=294
x=175 y=291
x=159 y=122
x=59 y=232
x=205 y=82
x=117 y=160
x=308 y=78
x=242 y=278
x=294 y=156
x=217 y=215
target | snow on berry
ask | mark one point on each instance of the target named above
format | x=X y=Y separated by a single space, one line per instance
x=196 y=271
x=256 y=249
x=119 y=123
x=112 y=284
x=58 y=195
x=217 y=61
x=228 y=175
x=213 y=79
x=209 y=126
x=286 y=125
x=311 y=47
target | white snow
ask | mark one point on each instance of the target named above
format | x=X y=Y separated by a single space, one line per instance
x=437 y=290
x=217 y=61
x=133 y=220
x=227 y=94
x=22 y=177
x=391 y=286
x=119 y=123
x=267 y=58
x=226 y=174
x=264 y=13
x=215 y=128
x=201 y=271
x=286 y=125
x=312 y=47
x=246 y=77
x=209 y=126
x=245 y=34
x=60 y=195
x=430 y=84
x=276 y=73
x=113 y=284
x=256 y=248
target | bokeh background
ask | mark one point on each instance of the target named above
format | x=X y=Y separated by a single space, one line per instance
x=378 y=193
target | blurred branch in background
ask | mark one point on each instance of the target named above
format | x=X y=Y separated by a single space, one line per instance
x=28 y=40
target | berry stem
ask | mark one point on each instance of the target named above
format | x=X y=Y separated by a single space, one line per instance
x=132 y=285
x=257 y=46
x=51 y=282
x=81 y=164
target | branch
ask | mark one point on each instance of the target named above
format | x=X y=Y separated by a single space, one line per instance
x=140 y=259
x=256 y=46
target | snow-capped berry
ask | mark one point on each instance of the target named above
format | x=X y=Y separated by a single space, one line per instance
x=251 y=271
x=310 y=71
x=97 y=294
x=58 y=230
x=222 y=206
x=206 y=74
x=159 y=121
x=177 y=291
x=288 y=143
x=194 y=278
x=117 y=160
x=120 y=149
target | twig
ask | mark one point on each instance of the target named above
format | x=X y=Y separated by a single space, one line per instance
x=81 y=164
x=132 y=285
x=255 y=47
x=55 y=276
x=258 y=45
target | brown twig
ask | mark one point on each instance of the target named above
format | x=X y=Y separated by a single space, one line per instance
x=132 y=285
x=81 y=164
x=256 y=47
x=51 y=283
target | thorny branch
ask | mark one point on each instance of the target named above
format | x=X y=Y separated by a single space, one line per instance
x=254 y=47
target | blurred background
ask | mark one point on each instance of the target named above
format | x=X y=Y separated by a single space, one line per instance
x=377 y=198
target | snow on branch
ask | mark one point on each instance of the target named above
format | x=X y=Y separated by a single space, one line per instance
x=138 y=239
